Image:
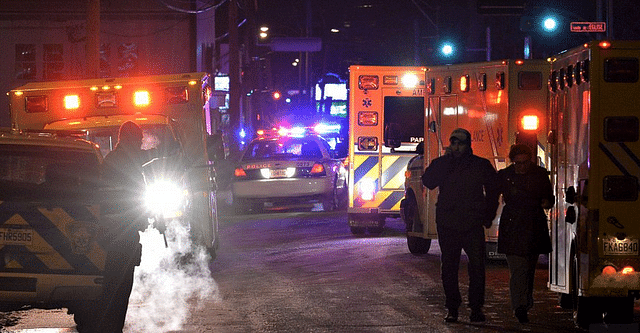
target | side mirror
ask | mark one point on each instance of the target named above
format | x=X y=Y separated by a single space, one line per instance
x=570 y=195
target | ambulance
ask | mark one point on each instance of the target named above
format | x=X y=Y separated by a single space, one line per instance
x=173 y=112
x=594 y=154
x=52 y=241
x=500 y=103
x=386 y=108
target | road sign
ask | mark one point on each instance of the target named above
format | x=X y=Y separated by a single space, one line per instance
x=588 y=27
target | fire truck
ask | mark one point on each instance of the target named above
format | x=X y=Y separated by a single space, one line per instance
x=500 y=103
x=173 y=112
x=386 y=108
x=595 y=167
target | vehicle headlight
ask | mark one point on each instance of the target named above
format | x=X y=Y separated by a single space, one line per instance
x=165 y=197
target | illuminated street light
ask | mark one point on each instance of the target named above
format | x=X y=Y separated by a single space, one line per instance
x=447 y=49
x=549 y=24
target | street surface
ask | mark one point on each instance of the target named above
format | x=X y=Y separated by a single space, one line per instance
x=301 y=271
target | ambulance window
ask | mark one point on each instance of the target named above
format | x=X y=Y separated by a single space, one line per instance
x=500 y=80
x=482 y=82
x=621 y=70
x=401 y=115
x=553 y=81
x=621 y=129
x=585 y=71
x=529 y=80
x=446 y=86
x=570 y=76
x=577 y=72
x=431 y=84
x=620 y=188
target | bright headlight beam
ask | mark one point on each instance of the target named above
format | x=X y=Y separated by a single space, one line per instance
x=163 y=197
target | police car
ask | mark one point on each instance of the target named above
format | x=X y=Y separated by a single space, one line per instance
x=283 y=170
x=51 y=250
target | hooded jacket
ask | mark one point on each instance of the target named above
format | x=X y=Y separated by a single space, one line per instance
x=468 y=195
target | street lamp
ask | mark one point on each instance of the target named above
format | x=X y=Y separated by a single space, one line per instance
x=447 y=49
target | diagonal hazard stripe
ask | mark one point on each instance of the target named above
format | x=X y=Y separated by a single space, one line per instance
x=24 y=257
x=630 y=153
x=393 y=171
x=613 y=159
x=392 y=200
x=369 y=163
x=51 y=244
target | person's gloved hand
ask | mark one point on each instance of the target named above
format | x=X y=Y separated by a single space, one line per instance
x=160 y=224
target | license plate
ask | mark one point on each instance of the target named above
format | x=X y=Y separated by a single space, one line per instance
x=278 y=173
x=9 y=236
x=614 y=246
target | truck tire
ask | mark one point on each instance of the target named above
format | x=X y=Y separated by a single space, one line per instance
x=357 y=230
x=416 y=245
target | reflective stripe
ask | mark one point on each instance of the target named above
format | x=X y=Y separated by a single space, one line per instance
x=55 y=245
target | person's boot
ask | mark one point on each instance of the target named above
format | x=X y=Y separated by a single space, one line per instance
x=452 y=316
x=477 y=316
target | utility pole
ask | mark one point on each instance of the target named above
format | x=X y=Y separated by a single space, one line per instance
x=93 y=39
x=234 y=74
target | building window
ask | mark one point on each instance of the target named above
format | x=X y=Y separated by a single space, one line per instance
x=53 y=62
x=25 y=65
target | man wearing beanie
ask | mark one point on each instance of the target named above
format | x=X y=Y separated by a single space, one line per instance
x=467 y=201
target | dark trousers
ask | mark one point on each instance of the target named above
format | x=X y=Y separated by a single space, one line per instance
x=452 y=243
x=118 y=282
x=522 y=271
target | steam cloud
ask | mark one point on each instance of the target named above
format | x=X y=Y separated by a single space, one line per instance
x=168 y=282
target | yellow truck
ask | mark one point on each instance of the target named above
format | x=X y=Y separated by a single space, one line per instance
x=52 y=246
x=595 y=167
x=173 y=111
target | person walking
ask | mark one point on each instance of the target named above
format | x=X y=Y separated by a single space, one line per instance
x=467 y=201
x=122 y=171
x=523 y=233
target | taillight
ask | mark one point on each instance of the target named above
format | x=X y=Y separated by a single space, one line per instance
x=239 y=173
x=530 y=122
x=71 y=102
x=317 y=170
x=608 y=270
x=628 y=270
x=141 y=98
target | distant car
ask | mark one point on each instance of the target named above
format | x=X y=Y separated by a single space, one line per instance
x=284 y=170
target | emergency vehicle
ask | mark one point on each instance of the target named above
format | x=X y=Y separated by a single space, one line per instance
x=173 y=112
x=500 y=103
x=386 y=108
x=52 y=246
x=595 y=167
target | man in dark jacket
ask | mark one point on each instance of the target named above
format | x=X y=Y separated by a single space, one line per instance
x=467 y=201
x=523 y=233
x=122 y=170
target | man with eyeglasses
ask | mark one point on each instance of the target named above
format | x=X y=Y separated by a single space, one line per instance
x=467 y=201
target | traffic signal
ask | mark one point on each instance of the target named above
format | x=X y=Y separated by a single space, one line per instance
x=549 y=23
x=276 y=95
x=447 y=49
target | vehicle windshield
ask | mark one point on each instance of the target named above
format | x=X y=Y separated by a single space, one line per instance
x=288 y=148
x=158 y=137
x=43 y=172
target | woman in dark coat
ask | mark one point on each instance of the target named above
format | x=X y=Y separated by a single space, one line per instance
x=523 y=232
